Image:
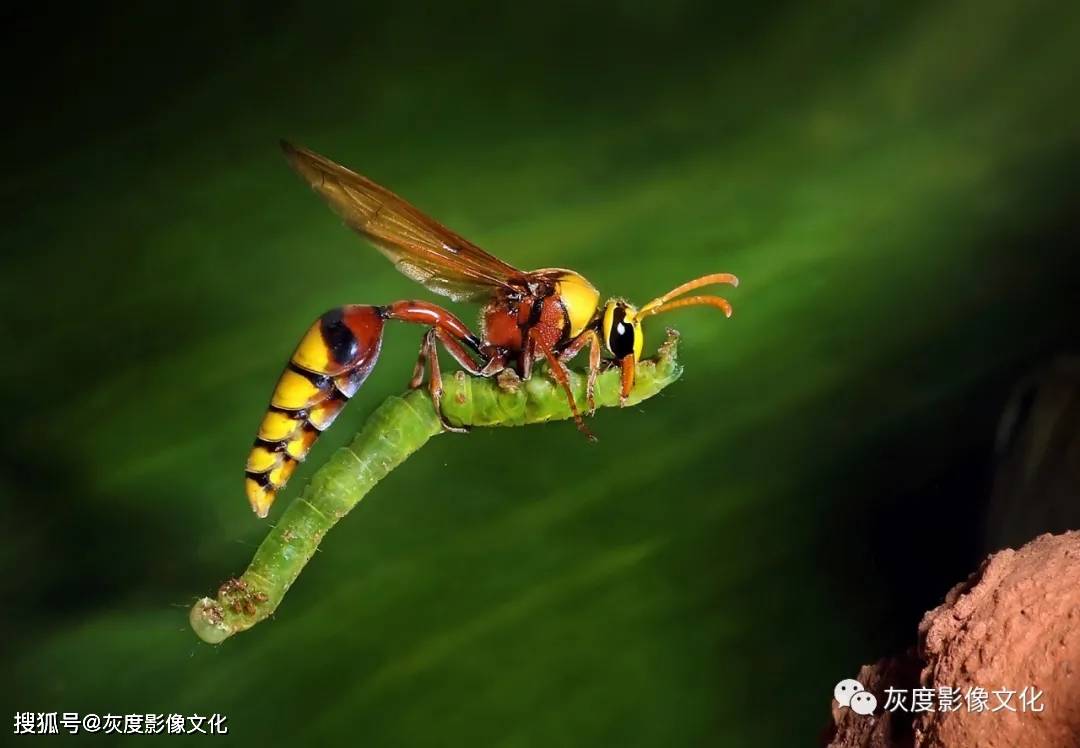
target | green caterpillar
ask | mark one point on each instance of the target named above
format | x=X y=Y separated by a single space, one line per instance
x=396 y=429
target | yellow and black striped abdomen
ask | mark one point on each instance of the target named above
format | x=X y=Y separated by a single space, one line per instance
x=332 y=360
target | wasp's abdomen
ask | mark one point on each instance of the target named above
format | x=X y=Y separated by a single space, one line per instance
x=332 y=360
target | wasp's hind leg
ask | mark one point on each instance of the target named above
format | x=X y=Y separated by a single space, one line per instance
x=429 y=359
x=458 y=340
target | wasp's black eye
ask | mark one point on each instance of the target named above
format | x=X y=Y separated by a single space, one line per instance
x=621 y=335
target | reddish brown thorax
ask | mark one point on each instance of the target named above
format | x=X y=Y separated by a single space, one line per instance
x=508 y=319
x=551 y=327
x=502 y=322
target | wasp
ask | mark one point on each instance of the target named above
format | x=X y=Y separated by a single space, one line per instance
x=550 y=315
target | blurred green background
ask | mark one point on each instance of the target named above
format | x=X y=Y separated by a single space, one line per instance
x=896 y=185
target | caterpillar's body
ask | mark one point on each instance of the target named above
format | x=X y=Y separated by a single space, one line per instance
x=395 y=430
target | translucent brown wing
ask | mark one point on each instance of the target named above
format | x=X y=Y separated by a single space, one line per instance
x=419 y=247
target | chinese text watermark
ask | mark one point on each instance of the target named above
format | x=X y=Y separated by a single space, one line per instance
x=851 y=694
x=72 y=723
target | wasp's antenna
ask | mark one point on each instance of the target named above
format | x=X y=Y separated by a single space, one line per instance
x=665 y=303
x=716 y=301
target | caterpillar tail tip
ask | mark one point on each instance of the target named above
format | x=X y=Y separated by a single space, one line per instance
x=208 y=621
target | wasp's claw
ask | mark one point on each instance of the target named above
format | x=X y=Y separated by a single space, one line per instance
x=446 y=425
x=590 y=402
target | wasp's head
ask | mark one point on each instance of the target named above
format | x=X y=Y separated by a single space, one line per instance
x=621 y=330
x=621 y=321
x=620 y=327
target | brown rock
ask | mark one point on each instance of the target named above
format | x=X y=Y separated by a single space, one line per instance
x=881 y=729
x=1013 y=625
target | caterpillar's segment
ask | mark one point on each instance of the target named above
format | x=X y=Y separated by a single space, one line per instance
x=328 y=366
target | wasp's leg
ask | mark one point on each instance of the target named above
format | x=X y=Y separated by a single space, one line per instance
x=429 y=356
x=430 y=315
x=458 y=340
x=451 y=332
x=455 y=348
x=421 y=364
x=591 y=339
x=495 y=365
x=430 y=353
x=526 y=356
x=562 y=378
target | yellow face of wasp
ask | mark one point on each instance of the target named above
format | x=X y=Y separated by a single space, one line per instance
x=580 y=299
x=622 y=330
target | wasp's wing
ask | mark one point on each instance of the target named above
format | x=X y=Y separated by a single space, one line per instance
x=419 y=247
